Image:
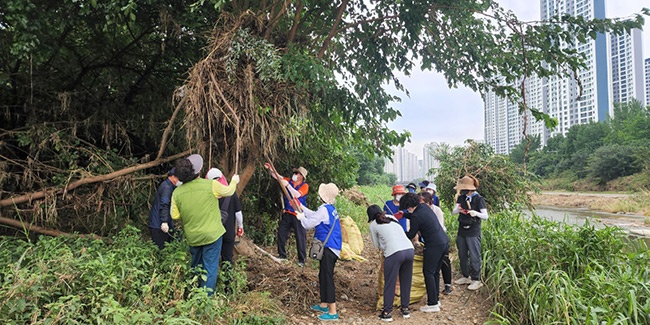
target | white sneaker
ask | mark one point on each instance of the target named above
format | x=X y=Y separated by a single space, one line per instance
x=430 y=308
x=463 y=280
x=475 y=285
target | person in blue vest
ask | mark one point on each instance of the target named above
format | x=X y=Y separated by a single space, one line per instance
x=322 y=220
x=160 y=221
x=297 y=189
x=391 y=207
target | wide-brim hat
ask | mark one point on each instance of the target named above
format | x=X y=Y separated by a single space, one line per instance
x=372 y=212
x=398 y=189
x=465 y=183
x=432 y=187
x=423 y=184
x=328 y=192
x=302 y=171
x=197 y=162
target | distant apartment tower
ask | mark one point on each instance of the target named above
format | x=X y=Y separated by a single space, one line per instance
x=405 y=165
x=428 y=161
x=647 y=82
x=627 y=71
x=504 y=126
x=565 y=102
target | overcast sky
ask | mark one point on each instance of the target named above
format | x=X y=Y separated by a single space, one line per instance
x=433 y=112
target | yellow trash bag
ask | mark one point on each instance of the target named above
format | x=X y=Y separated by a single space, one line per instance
x=348 y=255
x=418 y=289
x=351 y=234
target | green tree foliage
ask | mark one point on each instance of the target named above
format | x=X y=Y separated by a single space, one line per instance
x=371 y=171
x=501 y=181
x=612 y=161
x=298 y=79
x=517 y=153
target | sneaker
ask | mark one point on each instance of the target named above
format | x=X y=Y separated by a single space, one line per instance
x=406 y=313
x=328 y=316
x=319 y=308
x=463 y=280
x=386 y=317
x=475 y=285
x=301 y=264
x=447 y=290
x=281 y=258
x=430 y=308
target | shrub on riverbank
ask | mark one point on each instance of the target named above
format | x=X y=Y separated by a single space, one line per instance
x=544 y=272
x=83 y=281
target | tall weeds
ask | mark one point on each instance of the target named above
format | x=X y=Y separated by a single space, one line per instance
x=544 y=272
x=67 y=281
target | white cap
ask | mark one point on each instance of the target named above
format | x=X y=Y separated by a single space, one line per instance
x=214 y=173
x=197 y=162
x=432 y=186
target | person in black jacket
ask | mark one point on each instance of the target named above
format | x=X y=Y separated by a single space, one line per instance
x=160 y=221
x=231 y=215
x=424 y=221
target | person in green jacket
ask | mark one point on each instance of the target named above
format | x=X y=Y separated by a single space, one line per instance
x=196 y=204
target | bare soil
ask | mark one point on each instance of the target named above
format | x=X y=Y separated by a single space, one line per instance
x=296 y=289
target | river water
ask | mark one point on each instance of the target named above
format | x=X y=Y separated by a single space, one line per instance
x=633 y=224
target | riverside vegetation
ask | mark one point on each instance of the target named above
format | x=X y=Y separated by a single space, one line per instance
x=537 y=272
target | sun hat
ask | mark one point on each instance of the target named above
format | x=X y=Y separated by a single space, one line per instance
x=372 y=212
x=328 y=192
x=424 y=184
x=197 y=162
x=432 y=186
x=398 y=189
x=465 y=183
x=302 y=171
x=215 y=173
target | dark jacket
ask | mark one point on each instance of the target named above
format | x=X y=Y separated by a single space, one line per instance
x=160 y=208
x=424 y=220
x=234 y=206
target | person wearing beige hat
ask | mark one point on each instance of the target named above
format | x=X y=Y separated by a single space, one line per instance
x=297 y=189
x=322 y=220
x=471 y=209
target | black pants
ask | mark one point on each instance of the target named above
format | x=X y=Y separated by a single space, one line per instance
x=326 y=276
x=399 y=263
x=445 y=267
x=227 y=250
x=287 y=222
x=431 y=268
x=160 y=238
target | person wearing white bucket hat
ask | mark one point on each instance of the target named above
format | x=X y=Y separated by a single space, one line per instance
x=322 y=220
x=471 y=209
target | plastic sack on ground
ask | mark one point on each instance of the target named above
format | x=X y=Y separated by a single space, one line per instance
x=418 y=289
x=351 y=234
x=348 y=255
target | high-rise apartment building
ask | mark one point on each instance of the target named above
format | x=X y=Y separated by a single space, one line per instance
x=428 y=161
x=627 y=81
x=565 y=102
x=647 y=82
x=405 y=165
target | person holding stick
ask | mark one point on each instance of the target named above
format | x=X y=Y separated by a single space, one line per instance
x=295 y=188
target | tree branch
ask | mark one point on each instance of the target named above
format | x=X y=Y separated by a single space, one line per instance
x=88 y=180
x=45 y=231
x=296 y=20
x=333 y=31
x=168 y=129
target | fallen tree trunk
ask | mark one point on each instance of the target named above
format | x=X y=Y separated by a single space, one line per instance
x=50 y=232
x=88 y=180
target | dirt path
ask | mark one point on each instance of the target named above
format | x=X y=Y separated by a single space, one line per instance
x=356 y=290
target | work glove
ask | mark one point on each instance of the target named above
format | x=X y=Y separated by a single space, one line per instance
x=235 y=178
x=300 y=215
x=473 y=213
x=164 y=227
x=284 y=182
x=267 y=165
x=240 y=232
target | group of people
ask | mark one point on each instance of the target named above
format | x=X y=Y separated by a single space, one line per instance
x=209 y=209
x=211 y=215
x=416 y=219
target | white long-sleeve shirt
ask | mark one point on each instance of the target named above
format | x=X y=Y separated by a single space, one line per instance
x=314 y=218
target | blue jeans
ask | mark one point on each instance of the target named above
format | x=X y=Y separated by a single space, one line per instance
x=208 y=257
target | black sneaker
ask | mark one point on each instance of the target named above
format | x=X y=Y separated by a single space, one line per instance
x=386 y=317
x=447 y=290
x=406 y=313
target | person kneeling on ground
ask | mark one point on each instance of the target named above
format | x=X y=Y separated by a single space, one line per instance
x=387 y=235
